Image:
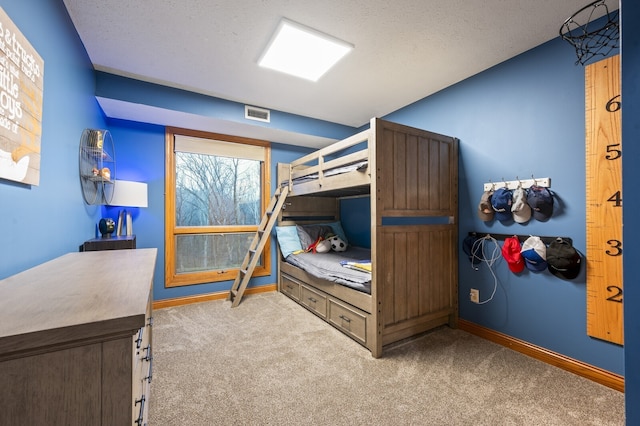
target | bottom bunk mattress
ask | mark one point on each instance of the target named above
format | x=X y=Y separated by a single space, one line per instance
x=347 y=268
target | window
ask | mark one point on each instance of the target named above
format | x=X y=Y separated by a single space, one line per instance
x=217 y=189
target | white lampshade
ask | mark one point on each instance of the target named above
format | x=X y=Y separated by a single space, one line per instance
x=129 y=194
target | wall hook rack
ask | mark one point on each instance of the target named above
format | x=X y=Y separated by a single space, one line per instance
x=522 y=238
x=513 y=184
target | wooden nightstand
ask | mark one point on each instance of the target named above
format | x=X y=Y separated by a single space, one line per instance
x=113 y=243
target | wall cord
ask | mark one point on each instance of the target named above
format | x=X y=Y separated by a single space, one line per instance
x=495 y=255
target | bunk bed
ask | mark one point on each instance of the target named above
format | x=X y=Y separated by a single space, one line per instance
x=411 y=177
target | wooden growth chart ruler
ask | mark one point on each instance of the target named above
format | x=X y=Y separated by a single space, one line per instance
x=604 y=200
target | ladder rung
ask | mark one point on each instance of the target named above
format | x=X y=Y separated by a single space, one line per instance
x=243 y=271
x=252 y=251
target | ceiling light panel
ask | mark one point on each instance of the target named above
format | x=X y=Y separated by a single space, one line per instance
x=302 y=51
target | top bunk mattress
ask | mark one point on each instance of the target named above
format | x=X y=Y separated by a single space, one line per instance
x=337 y=266
x=360 y=166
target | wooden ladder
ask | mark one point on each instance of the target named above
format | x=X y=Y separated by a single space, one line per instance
x=257 y=246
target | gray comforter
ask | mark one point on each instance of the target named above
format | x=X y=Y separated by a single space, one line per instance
x=327 y=266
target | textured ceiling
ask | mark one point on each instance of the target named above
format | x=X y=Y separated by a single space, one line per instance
x=404 y=50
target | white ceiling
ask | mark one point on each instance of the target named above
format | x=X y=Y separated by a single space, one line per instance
x=404 y=50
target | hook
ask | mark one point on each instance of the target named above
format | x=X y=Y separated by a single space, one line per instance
x=493 y=185
x=504 y=183
x=519 y=182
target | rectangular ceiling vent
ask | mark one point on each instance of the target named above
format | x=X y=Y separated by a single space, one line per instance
x=258 y=114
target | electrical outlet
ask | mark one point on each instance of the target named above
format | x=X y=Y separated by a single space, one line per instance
x=474 y=295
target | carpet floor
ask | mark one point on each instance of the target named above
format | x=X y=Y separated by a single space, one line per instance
x=271 y=362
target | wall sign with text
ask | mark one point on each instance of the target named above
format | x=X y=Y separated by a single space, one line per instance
x=21 y=88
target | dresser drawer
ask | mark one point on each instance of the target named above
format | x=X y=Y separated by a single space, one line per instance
x=142 y=369
x=348 y=320
x=314 y=301
x=141 y=389
x=290 y=287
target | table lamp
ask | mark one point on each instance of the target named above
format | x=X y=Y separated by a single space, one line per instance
x=128 y=194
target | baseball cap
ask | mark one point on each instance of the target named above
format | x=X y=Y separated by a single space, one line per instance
x=485 y=209
x=540 y=200
x=511 y=253
x=472 y=250
x=501 y=202
x=534 y=253
x=563 y=259
x=520 y=209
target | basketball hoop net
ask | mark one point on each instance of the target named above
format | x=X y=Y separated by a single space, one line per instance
x=592 y=39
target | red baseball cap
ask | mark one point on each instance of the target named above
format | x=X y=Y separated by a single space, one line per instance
x=511 y=253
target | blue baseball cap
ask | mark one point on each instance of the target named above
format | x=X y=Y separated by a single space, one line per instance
x=472 y=249
x=501 y=202
x=540 y=200
x=534 y=252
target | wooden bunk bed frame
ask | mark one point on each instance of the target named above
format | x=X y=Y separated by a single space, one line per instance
x=412 y=179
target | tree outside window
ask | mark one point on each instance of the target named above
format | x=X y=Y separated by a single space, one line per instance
x=216 y=201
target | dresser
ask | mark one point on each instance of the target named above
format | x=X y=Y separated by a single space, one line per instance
x=76 y=340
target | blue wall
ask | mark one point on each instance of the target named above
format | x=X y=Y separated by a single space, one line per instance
x=42 y=222
x=521 y=118
x=356 y=220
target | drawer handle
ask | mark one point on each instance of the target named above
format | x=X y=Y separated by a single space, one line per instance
x=141 y=413
x=347 y=319
x=312 y=300
x=289 y=286
x=148 y=356
x=150 y=374
x=139 y=339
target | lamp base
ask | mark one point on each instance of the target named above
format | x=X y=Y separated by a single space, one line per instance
x=125 y=223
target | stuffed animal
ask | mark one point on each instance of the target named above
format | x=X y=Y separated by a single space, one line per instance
x=337 y=244
x=323 y=246
x=320 y=246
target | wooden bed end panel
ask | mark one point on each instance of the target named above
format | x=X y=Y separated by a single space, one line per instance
x=417 y=275
x=417 y=172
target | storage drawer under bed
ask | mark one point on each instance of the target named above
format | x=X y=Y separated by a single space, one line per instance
x=290 y=287
x=348 y=320
x=314 y=301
